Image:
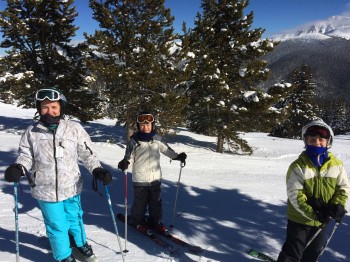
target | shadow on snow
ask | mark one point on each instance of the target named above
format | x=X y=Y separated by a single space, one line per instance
x=227 y=220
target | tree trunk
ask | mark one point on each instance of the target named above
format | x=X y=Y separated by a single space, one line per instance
x=129 y=120
x=220 y=144
x=129 y=132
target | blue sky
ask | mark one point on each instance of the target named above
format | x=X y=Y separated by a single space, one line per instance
x=279 y=15
x=272 y=15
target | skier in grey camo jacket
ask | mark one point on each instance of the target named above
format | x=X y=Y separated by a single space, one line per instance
x=51 y=148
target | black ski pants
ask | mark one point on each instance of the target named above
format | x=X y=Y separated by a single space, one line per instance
x=298 y=235
x=147 y=197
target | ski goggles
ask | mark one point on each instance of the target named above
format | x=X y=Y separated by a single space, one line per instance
x=52 y=95
x=145 y=118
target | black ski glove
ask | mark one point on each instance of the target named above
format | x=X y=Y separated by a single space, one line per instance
x=317 y=204
x=14 y=172
x=123 y=165
x=323 y=217
x=336 y=211
x=103 y=175
x=181 y=157
x=320 y=208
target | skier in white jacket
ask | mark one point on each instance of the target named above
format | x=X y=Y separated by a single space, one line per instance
x=143 y=153
x=51 y=149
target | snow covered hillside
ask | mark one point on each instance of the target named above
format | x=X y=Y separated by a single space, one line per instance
x=227 y=203
x=335 y=26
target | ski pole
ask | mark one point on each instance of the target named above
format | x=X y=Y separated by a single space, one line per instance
x=114 y=222
x=126 y=208
x=313 y=237
x=177 y=191
x=328 y=239
x=316 y=234
x=15 y=187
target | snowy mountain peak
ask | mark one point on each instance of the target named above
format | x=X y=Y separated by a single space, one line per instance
x=335 y=26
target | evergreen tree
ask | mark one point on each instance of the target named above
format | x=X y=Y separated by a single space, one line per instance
x=37 y=35
x=300 y=104
x=226 y=60
x=266 y=108
x=335 y=113
x=280 y=93
x=135 y=66
x=339 y=119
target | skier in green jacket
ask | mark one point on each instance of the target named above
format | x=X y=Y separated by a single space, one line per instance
x=317 y=189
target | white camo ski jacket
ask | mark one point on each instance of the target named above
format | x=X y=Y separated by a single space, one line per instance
x=53 y=159
x=145 y=159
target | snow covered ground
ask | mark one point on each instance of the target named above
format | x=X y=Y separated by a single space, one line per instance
x=226 y=204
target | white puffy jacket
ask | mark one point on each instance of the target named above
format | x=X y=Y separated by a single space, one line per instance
x=53 y=159
x=145 y=159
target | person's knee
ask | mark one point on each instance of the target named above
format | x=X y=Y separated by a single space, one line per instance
x=56 y=228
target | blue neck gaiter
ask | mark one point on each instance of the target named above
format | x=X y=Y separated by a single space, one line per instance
x=318 y=155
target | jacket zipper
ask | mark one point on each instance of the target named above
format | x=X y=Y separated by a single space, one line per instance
x=54 y=155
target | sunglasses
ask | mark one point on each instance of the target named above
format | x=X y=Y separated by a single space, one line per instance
x=50 y=94
x=146 y=118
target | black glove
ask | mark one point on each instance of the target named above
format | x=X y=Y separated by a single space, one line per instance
x=181 y=157
x=336 y=211
x=14 y=172
x=317 y=203
x=123 y=165
x=103 y=175
x=323 y=216
x=320 y=208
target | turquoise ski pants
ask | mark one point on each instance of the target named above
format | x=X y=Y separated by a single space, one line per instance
x=61 y=218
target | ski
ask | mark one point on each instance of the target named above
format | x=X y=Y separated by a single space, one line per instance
x=164 y=244
x=191 y=248
x=260 y=256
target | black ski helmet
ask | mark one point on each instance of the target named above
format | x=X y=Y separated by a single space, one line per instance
x=146 y=114
x=52 y=94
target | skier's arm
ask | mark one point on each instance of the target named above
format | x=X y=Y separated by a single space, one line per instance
x=296 y=193
x=86 y=151
x=25 y=151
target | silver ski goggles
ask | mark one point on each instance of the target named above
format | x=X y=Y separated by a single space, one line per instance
x=50 y=94
x=146 y=118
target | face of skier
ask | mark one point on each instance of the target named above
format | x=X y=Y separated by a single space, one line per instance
x=146 y=127
x=52 y=108
x=316 y=141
